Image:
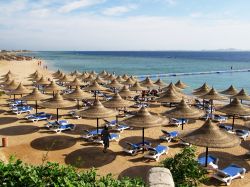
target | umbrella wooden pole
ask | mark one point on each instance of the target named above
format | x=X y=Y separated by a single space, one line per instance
x=57 y=114
x=233 y=122
x=206 y=156
x=211 y=108
x=97 y=124
x=143 y=139
x=53 y=93
x=36 y=107
x=14 y=97
x=182 y=123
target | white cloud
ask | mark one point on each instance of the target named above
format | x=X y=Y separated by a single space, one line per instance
x=171 y=2
x=78 y=4
x=118 y=10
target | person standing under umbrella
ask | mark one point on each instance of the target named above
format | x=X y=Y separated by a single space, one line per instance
x=105 y=136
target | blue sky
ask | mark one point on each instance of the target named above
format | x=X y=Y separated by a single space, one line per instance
x=124 y=24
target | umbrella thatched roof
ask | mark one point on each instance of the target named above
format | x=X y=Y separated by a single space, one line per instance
x=94 y=87
x=78 y=94
x=172 y=86
x=84 y=76
x=11 y=86
x=160 y=83
x=117 y=102
x=110 y=77
x=43 y=81
x=183 y=110
x=125 y=92
x=36 y=95
x=100 y=80
x=180 y=84
x=66 y=78
x=97 y=110
x=202 y=91
x=75 y=73
x=145 y=119
x=235 y=108
x=170 y=96
x=212 y=95
x=103 y=73
x=7 y=81
x=57 y=102
x=115 y=84
x=75 y=82
x=56 y=73
x=137 y=87
x=148 y=83
x=210 y=135
x=230 y=91
x=120 y=79
x=242 y=95
x=205 y=85
x=90 y=78
x=19 y=90
x=129 y=81
x=52 y=87
x=8 y=73
x=125 y=76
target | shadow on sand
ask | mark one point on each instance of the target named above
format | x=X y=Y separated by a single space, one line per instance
x=52 y=143
x=90 y=157
x=79 y=129
x=18 y=130
x=137 y=139
x=136 y=172
x=7 y=120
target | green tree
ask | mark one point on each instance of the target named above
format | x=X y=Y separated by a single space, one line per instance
x=185 y=168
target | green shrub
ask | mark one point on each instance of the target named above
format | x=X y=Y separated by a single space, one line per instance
x=16 y=173
x=185 y=169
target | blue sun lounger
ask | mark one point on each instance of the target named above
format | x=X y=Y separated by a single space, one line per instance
x=155 y=152
x=40 y=117
x=229 y=173
x=212 y=162
x=61 y=128
x=22 y=109
x=56 y=123
x=133 y=149
x=177 y=122
x=34 y=115
x=90 y=134
x=168 y=136
x=241 y=133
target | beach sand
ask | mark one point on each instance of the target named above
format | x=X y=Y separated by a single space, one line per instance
x=33 y=144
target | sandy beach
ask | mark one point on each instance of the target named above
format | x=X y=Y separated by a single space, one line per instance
x=33 y=144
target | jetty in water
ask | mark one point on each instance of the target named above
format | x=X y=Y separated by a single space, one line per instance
x=191 y=73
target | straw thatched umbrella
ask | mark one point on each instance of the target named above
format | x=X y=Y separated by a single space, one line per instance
x=242 y=95
x=75 y=73
x=212 y=95
x=110 y=77
x=93 y=73
x=205 y=85
x=60 y=76
x=90 y=78
x=84 y=76
x=120 y=79
x=137 y=87
x=36 y=77
x=202 y=91
x=35 y=96
x=11 y=86
x=8 y=73
x=125 y=92
x=210 y=136
x=230 y=91
x=117 y=102
x=53 y=87
x=172 y=86
x=103 y=73
x=115 y=84
x=55 y=74
x=182 y=111
x=100 y=80
x=78 y=95
x=97 y=111
x=235 y=108
x=170 y=96
x=148 y=83
x=125 y=76
x=129 y=81
x=43 y=81
x=76 y=82
x=180 y=84
x=144 y=119
x=95 y=87
x=57 y=102
x=7 y=81
x=66 y=79
x=34 y=74
x=133 y=78
x=160 y=83
x=7 y=77
x=20 y=90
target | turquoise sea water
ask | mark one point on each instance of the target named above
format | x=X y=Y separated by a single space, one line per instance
x=158 y=62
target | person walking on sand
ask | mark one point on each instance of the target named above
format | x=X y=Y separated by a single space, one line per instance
x=105 y=135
